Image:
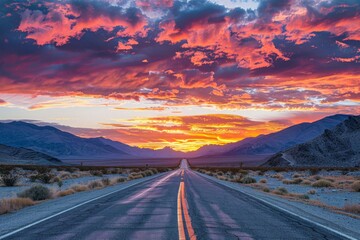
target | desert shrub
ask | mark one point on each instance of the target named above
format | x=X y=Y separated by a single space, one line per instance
x=150 y=172
x=352 y=208
x=65 y=175
x=261 y=173
x=56 y=179
x=263 y=180
x=33 y=178
x=236 y=179
x=296 y=175
x=121 y=179
x=155 y=171
x=322 y=183
x=10 y=179
x=248 y=180
x=278 y=176
x=12 y=204
x=96 y=173
x=306 y=182
x=79 y=188
x=265 y=189
x=293 y=181
x=312 y=191
x=304 y=196
x=134 y=176
x=356 y=186
x=36 y=193
x=106 y=181
x=45 y=177
x=219 y=173
x=65 y=192
x=280 y=191
x=95 y=184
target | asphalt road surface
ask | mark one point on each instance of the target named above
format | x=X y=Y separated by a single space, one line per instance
x=178 y=205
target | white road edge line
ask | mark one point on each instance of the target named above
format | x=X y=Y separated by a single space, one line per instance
x=284 y=210
x=69 y=209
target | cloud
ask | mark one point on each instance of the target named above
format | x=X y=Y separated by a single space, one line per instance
x=3 y=102
x=285 y=54
x=142 y=109
x=187 y=133
x=63 y=21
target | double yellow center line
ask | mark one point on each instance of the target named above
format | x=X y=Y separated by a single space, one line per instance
x=183 y=213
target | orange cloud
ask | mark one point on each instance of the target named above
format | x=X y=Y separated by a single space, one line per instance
x=142 y=109
x=65 y=21
x=187 y=133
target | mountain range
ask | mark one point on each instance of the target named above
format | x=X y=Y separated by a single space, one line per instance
x=64 y=145
x=286 y=138
x=14 y=155
x=338 y=147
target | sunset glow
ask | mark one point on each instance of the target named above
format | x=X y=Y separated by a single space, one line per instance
x=179 y=74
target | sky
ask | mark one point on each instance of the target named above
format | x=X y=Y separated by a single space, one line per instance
x=179 y=74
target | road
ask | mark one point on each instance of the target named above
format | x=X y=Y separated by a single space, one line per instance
x=178 y=205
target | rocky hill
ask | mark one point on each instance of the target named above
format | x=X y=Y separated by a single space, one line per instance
x=339 y=147
x=286 y=138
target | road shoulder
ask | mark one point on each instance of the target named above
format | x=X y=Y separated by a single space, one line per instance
x=337 y=222
x=26 y=216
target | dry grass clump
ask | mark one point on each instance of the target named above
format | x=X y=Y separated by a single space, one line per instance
x=263 y=180
x=221 y=177
x=248 y=180
x=133 y=176
x=296 y=175
x=322 y=183
x=280 y=191
x=352 y=208
x=219 y=173
x=356 y=186
x=65 y=193
x=292 y=181
x=278 y=176
x=36 y=193
x=79 y=187
x=306 y=182
x=95 y=184
x=12 y=204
